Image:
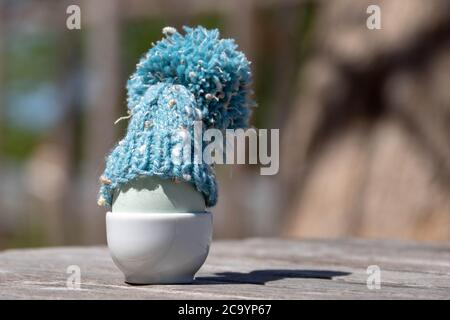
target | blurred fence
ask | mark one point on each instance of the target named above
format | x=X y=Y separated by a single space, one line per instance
x=363 y=115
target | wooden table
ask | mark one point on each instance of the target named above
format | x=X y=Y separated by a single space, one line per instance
x=243 y=269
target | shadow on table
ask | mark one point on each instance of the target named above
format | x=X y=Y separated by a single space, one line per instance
x=267 y=275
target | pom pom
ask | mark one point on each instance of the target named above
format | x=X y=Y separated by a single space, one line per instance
x=212 y=69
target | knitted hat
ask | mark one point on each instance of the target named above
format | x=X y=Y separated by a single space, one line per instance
x=181 y=79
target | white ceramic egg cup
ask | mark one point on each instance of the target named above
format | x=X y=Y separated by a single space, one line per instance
x=158 y=232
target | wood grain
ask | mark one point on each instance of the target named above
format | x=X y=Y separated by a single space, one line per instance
x=243 y=269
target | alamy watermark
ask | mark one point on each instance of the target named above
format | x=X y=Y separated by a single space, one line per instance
x=73 y=21
x=229 y=146
x=373 y=22
x=74 y=279
x=374 y=278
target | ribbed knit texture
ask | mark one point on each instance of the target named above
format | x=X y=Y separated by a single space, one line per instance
x=181 y=79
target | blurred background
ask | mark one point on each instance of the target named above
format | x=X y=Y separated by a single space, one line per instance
x=364 y=115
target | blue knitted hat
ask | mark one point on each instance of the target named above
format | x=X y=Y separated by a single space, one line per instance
x=181 y=79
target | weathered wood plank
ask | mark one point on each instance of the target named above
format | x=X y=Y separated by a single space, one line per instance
x=243 y=269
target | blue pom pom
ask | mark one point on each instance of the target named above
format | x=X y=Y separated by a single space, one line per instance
x=211 y=68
